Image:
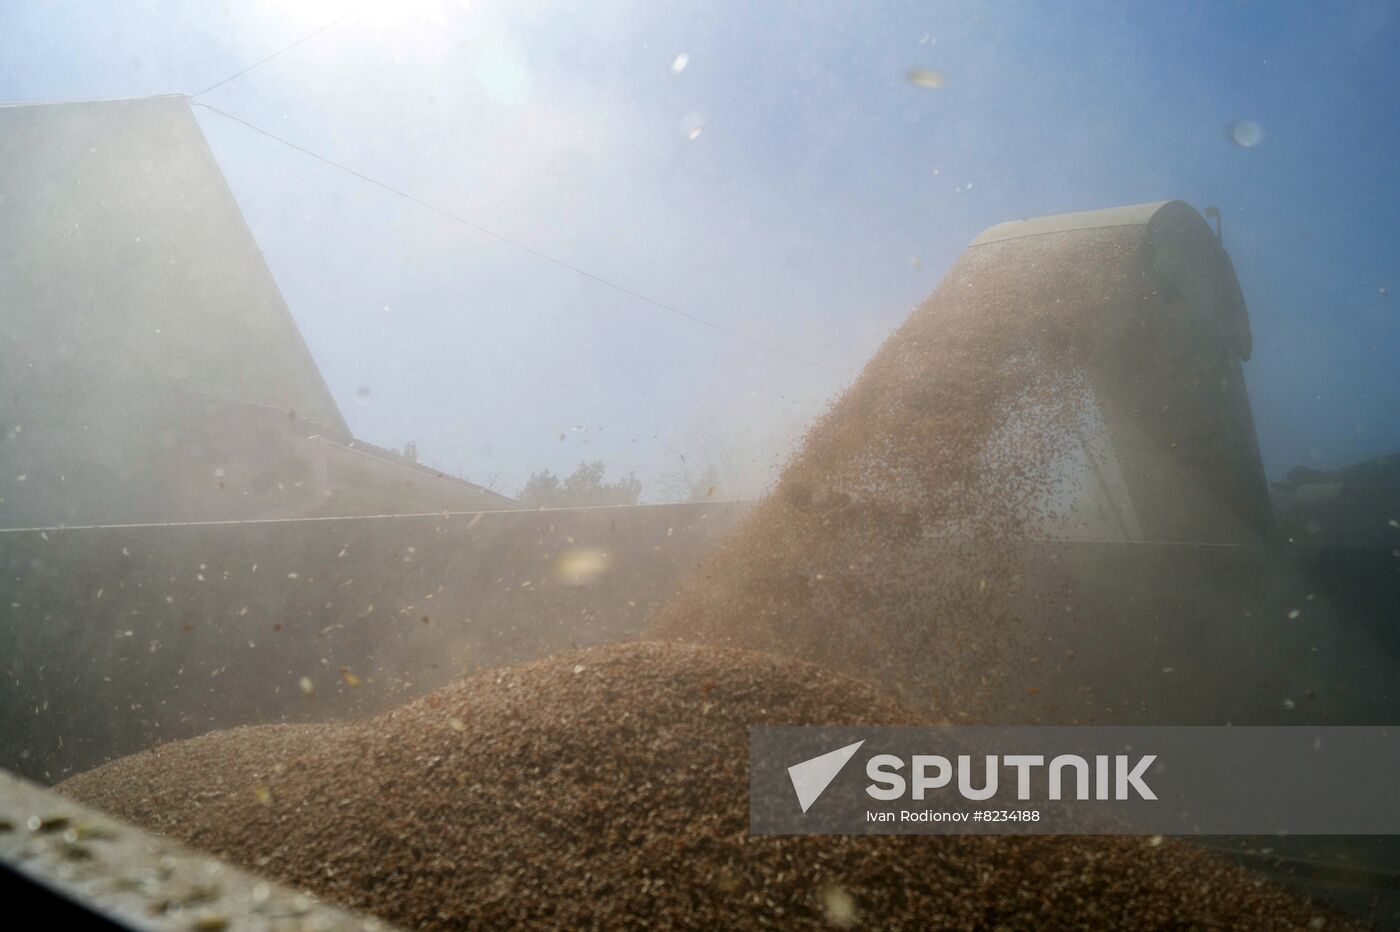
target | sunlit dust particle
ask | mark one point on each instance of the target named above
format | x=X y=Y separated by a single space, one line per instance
x=926 y=78
x=580 y=566
x=351 y=679
x=1247 y=134
x=838 y=907
x=48 y=825
x=263 y=794
x=679 y=64
x=307 y=687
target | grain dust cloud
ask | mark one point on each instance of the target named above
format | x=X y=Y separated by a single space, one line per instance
x=431 y=439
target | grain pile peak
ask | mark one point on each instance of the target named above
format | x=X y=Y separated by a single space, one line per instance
x=609 y=788
x=894 y=545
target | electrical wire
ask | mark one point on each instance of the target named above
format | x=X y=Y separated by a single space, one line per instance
x=457 y=218
x=264 y=61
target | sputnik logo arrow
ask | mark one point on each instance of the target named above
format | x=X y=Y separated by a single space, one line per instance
x=811 y=777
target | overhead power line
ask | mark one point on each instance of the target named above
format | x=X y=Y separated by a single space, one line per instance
x=458 y=218
x=264 y=61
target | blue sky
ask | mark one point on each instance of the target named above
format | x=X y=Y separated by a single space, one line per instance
x=821 y=199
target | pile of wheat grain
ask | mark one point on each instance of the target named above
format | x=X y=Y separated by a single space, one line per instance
x=609 y=788
x=894 y=544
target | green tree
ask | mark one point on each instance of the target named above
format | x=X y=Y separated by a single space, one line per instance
x=586 y=486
